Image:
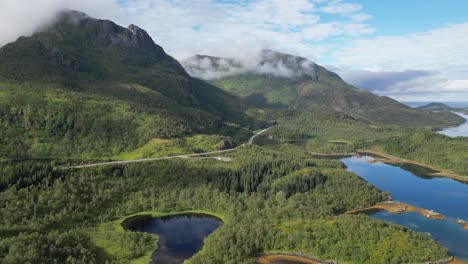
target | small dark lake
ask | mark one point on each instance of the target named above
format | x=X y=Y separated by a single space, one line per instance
x=180 y=236
x=410 y=184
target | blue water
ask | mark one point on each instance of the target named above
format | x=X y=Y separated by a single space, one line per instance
x=181 y=236
x=448 y=233
x=445 y=196
x=459 y=131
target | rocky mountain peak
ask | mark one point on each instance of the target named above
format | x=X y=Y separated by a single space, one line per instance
x=135 y=37
x=109 y=33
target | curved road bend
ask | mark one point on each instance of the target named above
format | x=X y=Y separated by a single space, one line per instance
x=250 y=142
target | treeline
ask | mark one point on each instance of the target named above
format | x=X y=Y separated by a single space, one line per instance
x=428 y=147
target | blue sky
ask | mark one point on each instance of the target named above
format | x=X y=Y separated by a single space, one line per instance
x=411 y=50
x=397 y=17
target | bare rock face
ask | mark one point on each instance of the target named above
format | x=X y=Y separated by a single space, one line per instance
x=138 y=38
x=108 y=33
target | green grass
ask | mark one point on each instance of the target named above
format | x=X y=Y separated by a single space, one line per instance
x=158 y=147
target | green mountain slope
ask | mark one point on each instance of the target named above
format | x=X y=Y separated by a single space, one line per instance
x=282 y=81
x=84 y=87
x=435 y=107
x=440 y=107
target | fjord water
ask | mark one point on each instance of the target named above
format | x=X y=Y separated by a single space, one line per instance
x=446 y=232
x=443 y=195
x=459 y=131
x=413 y=186
x=180 y=236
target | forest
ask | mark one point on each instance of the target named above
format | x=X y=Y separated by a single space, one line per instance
x=428 y=147
x=269 y=201
x=333 y=133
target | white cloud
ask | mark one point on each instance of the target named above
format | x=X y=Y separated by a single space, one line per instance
x=338 y=7
x=242 y=28
x=440 y=51
x=188 y=27
x=23 y=17
x=324 y=30
x=264 y=62
x=410 y=85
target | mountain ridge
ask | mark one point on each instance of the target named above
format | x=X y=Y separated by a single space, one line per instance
x=81 y=76
x=309 y=85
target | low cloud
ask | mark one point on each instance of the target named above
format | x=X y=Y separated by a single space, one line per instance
x=241 y=29
x=264 y=62
x=24 y=17
x=211 y=68
x=220 y=28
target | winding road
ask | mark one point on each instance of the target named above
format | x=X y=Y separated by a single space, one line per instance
x=185 y=156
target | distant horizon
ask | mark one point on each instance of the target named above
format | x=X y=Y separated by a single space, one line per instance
x=422 y=103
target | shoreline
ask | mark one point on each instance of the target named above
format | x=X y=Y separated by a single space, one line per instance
x=400 y=208
x=389 y=159
x=290 y=257
x=302 y=259
x=457 y=261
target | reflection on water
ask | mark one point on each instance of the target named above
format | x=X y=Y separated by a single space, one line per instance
x=180 y=236
x=443 y=195
x=412 y=186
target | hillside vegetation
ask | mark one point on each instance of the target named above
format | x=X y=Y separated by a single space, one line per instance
x=430 y=148
x=269 y=201
x=282 y=81
x=89 y=88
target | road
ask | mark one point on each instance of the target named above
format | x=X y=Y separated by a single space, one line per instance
x=252 y=138
x=185 y=156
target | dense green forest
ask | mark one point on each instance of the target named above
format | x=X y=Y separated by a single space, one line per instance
x=94 y=90
x=270 y=201
x=334 y=132
x=429 y=148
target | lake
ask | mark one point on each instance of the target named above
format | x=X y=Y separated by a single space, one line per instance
x=459 y=131
x=180 y=236
x=411 y=186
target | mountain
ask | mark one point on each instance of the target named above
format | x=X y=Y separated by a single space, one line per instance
x=440 y=107
x=83 y=87
x=437 y=107
x=275 y=80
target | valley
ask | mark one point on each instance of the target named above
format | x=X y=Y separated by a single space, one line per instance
x=112 y=151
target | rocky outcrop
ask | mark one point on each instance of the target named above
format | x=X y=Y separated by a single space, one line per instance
x=109 y=33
